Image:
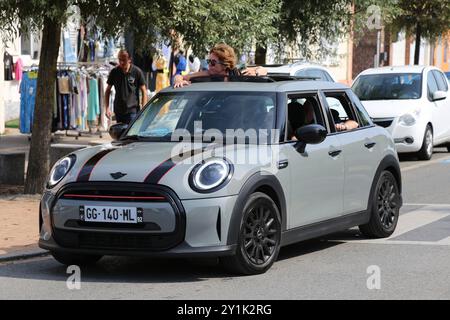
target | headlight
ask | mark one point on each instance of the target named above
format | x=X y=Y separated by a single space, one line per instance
x=210 y=175
x=407 y=120
x=60 y=170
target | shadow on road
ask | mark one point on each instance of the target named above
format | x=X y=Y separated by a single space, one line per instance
x=144 y=270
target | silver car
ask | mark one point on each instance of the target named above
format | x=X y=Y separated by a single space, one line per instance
x=233 y=170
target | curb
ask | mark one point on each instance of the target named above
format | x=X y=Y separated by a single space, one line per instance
x=23 y=255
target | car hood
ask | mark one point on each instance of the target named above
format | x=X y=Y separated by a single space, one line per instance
x=168 y=164
x=390 y=108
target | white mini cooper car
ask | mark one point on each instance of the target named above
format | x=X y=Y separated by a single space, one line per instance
x=183 y=181
x=411 y=102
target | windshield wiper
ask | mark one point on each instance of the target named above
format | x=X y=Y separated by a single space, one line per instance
x=133 y=138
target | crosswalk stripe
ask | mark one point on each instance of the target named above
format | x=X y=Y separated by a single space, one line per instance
x=408 y=222
x=445 y=241
x=416 y=219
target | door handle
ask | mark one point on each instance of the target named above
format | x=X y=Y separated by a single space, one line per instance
x=370 y=145
x=283 y=164
x=335 y=153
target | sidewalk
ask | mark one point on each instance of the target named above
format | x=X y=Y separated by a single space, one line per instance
x=19 y=214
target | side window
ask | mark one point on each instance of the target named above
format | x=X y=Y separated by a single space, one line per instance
x=327 y=76
x=302 y=110
x=341 y=108
x=441 y=81
x=363 y=116
x=431 y=84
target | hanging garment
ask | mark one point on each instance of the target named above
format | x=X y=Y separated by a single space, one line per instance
x=69 y=52
x=93 y=103
x=64 y=85
x=9 y=66
x=92 y=50
x=28 y=88
x=18 y=69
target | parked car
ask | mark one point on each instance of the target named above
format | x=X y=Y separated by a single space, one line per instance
x=168 y=186
x=411 y=102
x=301 y=69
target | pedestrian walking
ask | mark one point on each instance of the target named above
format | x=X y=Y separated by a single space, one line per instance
x=128 y=81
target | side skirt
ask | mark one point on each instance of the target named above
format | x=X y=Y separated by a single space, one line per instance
x=325 y=227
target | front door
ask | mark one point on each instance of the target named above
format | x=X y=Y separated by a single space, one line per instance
x=317 y=175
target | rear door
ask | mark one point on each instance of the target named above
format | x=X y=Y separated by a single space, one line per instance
x=361 y=152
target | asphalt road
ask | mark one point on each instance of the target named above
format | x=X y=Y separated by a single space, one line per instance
x=412 y=264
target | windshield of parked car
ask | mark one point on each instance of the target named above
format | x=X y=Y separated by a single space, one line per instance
x=205 y=114
x=388 y=86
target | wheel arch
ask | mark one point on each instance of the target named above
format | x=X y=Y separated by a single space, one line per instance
x=389 y=163
x=267 y=184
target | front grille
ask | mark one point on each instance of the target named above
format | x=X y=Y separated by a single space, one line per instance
x=120 y=237
x=114 y=195
x=111 y=241
x=385 y=123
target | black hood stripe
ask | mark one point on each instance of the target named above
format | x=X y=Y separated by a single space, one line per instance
x=85 y=172
x=157 y=174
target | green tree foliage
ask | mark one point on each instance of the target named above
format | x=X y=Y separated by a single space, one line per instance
x=311 y=24
x=21 y=16
x=425 y=19
x=239 y=23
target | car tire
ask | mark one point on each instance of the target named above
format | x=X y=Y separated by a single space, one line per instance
x=384 y=208
x=426 y=152
x=259 y=237
x=70 y=259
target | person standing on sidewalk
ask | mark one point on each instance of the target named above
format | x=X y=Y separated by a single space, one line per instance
x=127 y=79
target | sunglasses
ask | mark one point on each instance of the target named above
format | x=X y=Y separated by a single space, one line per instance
x=213 y=62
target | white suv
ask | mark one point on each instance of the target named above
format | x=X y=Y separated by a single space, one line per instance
x=411 y=102
x=301 y=69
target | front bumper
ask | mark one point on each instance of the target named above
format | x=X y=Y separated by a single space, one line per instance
x=407 y=139
x=171 y=227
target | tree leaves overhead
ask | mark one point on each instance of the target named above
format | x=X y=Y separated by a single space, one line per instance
x=307 y=23
x=432 y=15
x=237 y=22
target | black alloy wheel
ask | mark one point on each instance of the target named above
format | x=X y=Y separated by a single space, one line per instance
x=259 y=237
x=260 y=234
x=385 y=208
x=387 y=202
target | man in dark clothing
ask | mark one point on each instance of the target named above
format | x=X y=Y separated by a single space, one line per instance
x=127 y=79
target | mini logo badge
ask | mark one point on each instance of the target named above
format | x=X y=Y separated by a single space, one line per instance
x=118 y=175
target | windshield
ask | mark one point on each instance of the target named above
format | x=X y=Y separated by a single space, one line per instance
x=389 y=86
x=205 y=114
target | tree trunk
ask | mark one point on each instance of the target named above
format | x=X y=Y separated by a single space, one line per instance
x=417 y=47
x=260 y=55
x=39 y=159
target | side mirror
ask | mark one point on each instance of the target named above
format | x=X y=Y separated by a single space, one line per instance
x=439 y=95
x=310 y=134
x=117 y=130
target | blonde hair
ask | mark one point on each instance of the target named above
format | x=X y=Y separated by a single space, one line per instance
x=226 y=54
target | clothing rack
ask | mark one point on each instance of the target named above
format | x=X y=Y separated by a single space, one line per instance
x=85 y=67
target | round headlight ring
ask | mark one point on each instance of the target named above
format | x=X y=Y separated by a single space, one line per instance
x=60 y=170
x=198 y=174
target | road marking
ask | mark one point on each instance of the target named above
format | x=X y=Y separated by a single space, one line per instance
x=416 y=219
x=445 y=242
x=428 y=205
x=424 y=164
x=408 y=222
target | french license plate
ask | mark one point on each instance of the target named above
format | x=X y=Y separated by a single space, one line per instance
x=111 y=214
